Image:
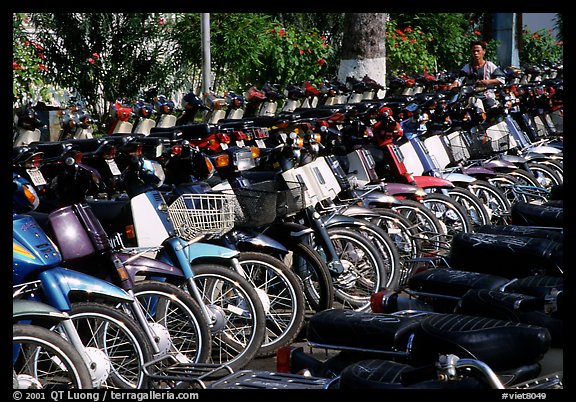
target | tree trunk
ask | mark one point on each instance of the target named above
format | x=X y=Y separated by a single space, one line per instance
x=364 y=47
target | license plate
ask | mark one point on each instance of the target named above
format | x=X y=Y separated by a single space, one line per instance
x=240 y=143
x=260 y=144
x=36 y=176
x=113 y=167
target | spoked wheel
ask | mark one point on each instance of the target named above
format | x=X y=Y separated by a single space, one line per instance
x=240 y=326
x=178 y=323
x=313 y=274
x=430 y=229
x=450 y=212
x=545 y=175
x=115 y=339
x=42 y=359
x=363 y=274
x=472 y=205
x=388 y=254
x=494 y=199
x=285 y=312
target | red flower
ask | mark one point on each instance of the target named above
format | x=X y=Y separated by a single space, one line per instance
x=162 y=21
x=16 y=66
x=477 y=33
x=42 y=67
x=90 y=60
x=400 y=32
x=96 y=56
x=407 y=29
x=301 y=51
x=535 y=36
x=321 y=62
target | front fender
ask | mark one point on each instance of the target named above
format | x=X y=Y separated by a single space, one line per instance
x=183 y=254
x=60 y=283
x=432 y=182
x=259 y=242
x=459 y=178
x=36 y=312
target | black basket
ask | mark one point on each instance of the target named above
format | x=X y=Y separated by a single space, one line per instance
x=262 y=203
x=479 y=145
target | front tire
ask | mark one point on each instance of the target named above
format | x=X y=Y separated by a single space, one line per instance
x=46 y=360
x=241 y=327
x=285 y=314
x=176 y=311
x=121 y=339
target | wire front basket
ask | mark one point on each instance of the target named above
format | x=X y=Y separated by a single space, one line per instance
x=202 y=214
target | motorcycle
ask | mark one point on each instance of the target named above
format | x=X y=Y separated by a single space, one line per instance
x=38 y=275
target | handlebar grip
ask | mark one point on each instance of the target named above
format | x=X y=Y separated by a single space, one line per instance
x=418 y=374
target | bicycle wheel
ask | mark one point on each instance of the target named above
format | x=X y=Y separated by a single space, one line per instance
x=472 y=205
x=363 y=274
x=285 y=312
x=313 y=274
x=430 y=229
x=450 y=212
x=494 y=199
x=176 y=318
x=113 y=336
x=42 y=359
x=240 y=326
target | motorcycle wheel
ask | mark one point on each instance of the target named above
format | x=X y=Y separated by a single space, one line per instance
x=240 y=329
x=175 y=310
x=46 y=360
x=285 y=313
x=450 y=212
x=121 y=339
x=544 y=175
x=363 y=273
x=472 y=205
x=313 y=274
x=494 y=200
x=388 y=253
x=430 y=229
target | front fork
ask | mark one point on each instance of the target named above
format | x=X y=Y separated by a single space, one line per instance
x=332 y=259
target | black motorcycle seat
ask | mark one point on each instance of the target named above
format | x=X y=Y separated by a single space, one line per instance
x=523 y=213
x=536 y=285
x=451 y=282
x=504 y=255
x=353 y=329
x=51 y=150
x=386 y=374
x=421 y=337
x=501 y=344
x=513 y=307
x=519 y=230
x=189 y=131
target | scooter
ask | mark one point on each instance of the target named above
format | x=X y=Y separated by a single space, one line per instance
x=38 y=275
x=27 y=127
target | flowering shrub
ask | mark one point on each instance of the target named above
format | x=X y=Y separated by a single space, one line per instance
x=27 y=65
x=540 y=46
x=407 y=49
x=293 y=55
